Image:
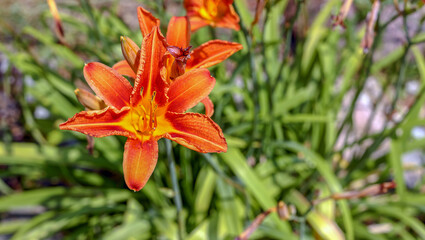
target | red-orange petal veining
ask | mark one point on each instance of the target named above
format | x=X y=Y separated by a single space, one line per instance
x=146 y=21
x=209 y=106
x=108 y=84
x=196 y=131
x=211 y=53
x=140 y=159
x=101 y=123
x=178 y=32
x=189 y=89
x=149 y=77
x=123 y=68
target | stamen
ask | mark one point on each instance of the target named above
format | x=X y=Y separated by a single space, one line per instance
x=153 y=96
x=155 y=121
x=150 y=114
x=136 y=127
x=141 y=118
x=145 y=121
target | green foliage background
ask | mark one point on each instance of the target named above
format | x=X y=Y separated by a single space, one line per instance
x=277 y=101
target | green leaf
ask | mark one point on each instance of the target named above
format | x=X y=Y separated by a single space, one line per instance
x=136 y=230
x=327 y=173
x=237 y=162
x=204 y=190
x=30 y=198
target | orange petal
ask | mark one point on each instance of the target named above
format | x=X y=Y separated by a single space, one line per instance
x=209 y=106
x=189 y=89
x=168 y=66
x=140 y=159
x=229 y=20
x=211 y=53
x=196 y=131
x=178 y=32
x=146 y=21
x=193 y=7
x=231 y=23
x=212 y=12
x=148 y=76
x=123 y=68
x=196 y=23
x=131 y=52
x=108 y=84
x=101 y=123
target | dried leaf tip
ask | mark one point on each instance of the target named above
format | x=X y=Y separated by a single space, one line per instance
x=58 y=23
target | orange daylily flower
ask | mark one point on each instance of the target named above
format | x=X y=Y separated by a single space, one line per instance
x=154 y=108
x=180 y=59
x=216 y=13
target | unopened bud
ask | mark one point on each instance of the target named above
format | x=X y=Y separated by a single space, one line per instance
x=131 y=52
x=282 y=211
x=89 y=100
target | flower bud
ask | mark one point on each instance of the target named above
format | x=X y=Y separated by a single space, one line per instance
x=131 y=52
x=89 y=100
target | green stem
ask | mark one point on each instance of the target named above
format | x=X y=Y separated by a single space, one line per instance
x=221 y=173
x=359 y=162
x=269 y=127
x=367 y=64
x=177 y=194
x=375 y=111
x=256 y=85
x=288 y=43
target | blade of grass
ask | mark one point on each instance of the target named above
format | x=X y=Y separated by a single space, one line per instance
x=236 y=161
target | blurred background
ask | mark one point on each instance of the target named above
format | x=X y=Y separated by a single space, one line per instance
x=323 y=111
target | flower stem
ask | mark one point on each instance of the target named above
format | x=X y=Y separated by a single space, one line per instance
x=177 y=195
x=256 y=86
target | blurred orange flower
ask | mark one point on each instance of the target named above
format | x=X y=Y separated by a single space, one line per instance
x=154 y=108
x=216 y=13
x=180 y=59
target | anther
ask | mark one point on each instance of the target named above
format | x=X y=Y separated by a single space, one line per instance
x=153 y=96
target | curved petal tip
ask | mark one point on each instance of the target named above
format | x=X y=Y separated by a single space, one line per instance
x=140 y=159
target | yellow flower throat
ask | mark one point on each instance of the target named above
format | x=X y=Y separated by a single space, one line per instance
x=210 y=10
x=143 y=116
